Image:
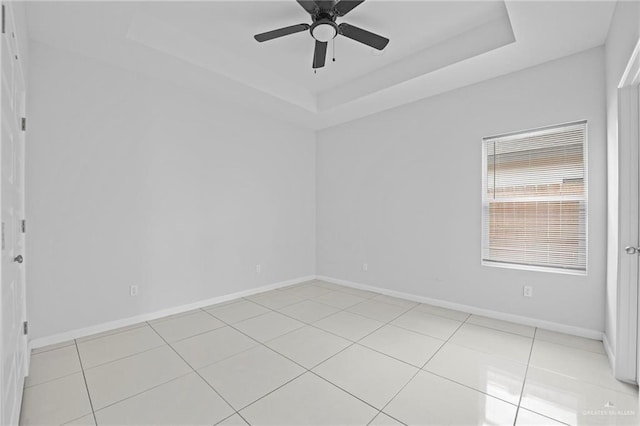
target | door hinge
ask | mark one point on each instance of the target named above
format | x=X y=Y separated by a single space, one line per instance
x=23 y=226
x=24 y=123
x=25 y=328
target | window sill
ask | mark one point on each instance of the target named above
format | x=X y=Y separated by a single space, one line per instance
x=533 y=268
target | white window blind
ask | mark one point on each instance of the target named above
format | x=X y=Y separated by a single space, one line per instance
x=534 y=199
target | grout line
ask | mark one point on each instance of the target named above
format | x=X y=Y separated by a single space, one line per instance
x=526 y=371
x=108 y=333
x=421 y=368
x=503 y=331
x=52 y=380
x=111 y=404
x=193 y=369
x=182 y=339
x=123 y=357
x=306 y=370
x=84 y=377
x=470 y=387
x=44 y=350
x=385 y=414
x=348 y=392
x=271 y=391
x=242 y=417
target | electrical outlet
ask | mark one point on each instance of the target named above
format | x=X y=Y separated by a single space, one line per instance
x=527 y=291
x=258 y=268
x=133 y=290
x=365 y=267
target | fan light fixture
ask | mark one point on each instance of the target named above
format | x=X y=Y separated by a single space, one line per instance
x=324 y=28
x=324 y=31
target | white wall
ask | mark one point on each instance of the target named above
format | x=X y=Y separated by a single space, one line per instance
x=623 y=35
x=401 y=191
x=135 y=181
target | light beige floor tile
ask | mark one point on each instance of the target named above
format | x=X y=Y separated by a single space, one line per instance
x=187 y=400
x=268 y=326
x=350 y=326
x=309 y=401
x=237 y=312
x=394 y=301
x=430 y=325
x=405 y=345
x=483 y=339
x=175 y=316
x=442 y=312
x=53 y=364
x=366 y=374
x=292 y=286
x=432 y=400
x=308 y=311
x=179 y=328
x=277 y=299
x=35 y=351
x=383 y=420
x=222 y=304
x=379 y=311
x=87 y=420
x=590 y=345
x=330 y=286
x=250 y=375
x=55 y=402
x=115 y=346
x=494 y=375
x=270 y=293
x=112 y=332
x=576 y=402
x=234 y=420
x=581 y=365
x=308 y=346
x=117 y=380
x=509 y=327
x=529 y=418
x=213 y=346
x=357 y=292
x=339 y=299
x=309 y=291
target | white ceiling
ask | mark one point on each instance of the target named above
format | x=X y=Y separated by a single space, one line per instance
x=435 y=46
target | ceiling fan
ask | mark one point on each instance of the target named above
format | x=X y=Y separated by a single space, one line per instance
x=324 y=28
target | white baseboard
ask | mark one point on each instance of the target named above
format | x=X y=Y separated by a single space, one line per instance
x=112 y=325
x=518 y=319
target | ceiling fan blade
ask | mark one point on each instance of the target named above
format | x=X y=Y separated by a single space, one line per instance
x=345 y=6
x=309 y=5
x=363 y=36
x=280 y=32
x=319 y=54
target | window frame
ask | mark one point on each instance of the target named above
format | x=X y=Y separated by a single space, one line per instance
x=485 y=201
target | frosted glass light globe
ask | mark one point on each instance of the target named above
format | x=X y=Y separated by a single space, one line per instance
x=324 y=32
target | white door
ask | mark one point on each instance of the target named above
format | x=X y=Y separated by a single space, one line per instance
x=638 y=273
x=13 y=345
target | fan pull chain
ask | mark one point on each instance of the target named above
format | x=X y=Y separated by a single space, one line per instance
x=334 y=49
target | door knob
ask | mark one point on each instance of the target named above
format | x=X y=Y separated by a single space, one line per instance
x=18 y=258
x=631 y=250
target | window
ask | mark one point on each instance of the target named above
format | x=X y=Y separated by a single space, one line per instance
x=534 y=210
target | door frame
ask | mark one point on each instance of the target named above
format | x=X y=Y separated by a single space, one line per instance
x=12 y=31
x=627 y=361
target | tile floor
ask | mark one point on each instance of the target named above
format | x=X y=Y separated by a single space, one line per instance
x=322 y=354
